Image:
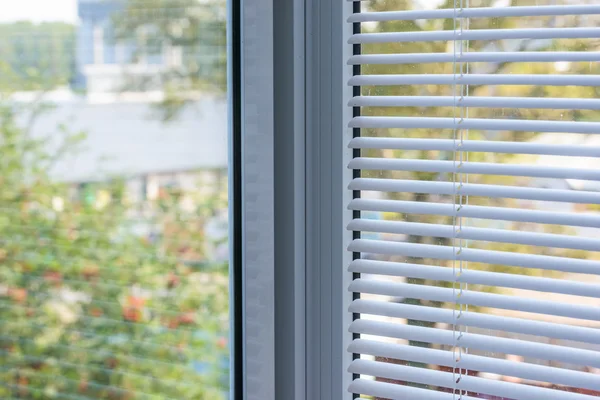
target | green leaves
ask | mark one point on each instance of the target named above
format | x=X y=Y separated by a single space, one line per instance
x=90 y=309
x=195 y=30
x=36 y=56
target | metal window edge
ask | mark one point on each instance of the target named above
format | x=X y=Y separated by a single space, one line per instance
x=268 y=262
x=327 y=116
x=293 y=319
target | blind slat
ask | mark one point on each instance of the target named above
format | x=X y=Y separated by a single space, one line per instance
x=471 y=297
x=474 y=146
x=476 y=34
x=537 y=171
x=475 y=124
x=391 y=391
x=476 y=102
x=495 y=57
x=523 y=348
x=474 y=189
x=478 y=320
x=476 y=363
x=476 y=234
x=479 y=12
x=475 y=79
x=469 y=383
x=492 y=213
x=473 y=255
x=476 y=277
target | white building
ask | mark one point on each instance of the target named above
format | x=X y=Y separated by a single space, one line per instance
x=587 y=140
x=126 y=138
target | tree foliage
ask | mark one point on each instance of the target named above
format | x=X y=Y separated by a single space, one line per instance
x=196 y=29
x=36 y=56
x=89 y=308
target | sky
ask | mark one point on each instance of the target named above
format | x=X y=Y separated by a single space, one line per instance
x=39 y=10
x=66 y=10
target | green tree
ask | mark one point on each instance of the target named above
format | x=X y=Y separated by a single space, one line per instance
x=196 y=29
x=36 y=56
x=89 y=310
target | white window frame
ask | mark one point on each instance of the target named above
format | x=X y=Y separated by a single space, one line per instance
x=288 y=96
x=327 y=116
x=98 y=43
x=293 y=317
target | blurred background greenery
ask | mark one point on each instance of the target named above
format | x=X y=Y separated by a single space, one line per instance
x=105 y=294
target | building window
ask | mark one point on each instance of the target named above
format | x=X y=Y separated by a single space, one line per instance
x=98 y=44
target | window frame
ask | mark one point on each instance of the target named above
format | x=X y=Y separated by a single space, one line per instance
x=252 y=270
x=288 y=97
x=267 y=176
x=327 y=154
x=289 y=300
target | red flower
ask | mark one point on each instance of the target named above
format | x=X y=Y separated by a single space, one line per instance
x=187 y=318
x=136 y=302
x=172 y=323
x=53 y=277
x=90 y=273
x=83 y=385
x=172 y=280
x=96 y=312
x=133 y=310
x=18 y=294
x=111 y=363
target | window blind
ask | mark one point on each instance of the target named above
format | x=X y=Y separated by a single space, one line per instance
x=476 y=144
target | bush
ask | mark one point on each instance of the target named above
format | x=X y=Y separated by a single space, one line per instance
x=89 y=309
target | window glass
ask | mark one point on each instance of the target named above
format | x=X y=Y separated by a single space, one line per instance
x=113 y=207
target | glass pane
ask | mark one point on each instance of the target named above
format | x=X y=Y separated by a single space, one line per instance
x=113 y=207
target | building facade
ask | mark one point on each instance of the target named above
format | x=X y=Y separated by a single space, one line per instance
x=108 y=64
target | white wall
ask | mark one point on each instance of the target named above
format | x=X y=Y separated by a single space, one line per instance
x=128 y=138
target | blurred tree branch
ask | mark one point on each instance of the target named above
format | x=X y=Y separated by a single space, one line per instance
x=196 y=29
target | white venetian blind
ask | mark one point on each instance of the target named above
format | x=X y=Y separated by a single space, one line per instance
x=476 y=200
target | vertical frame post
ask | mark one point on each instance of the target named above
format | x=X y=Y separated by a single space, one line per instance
x=267 y=200
x=255 y=202
x=328 y=135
